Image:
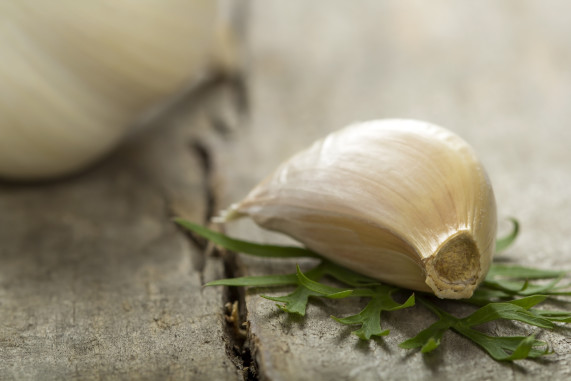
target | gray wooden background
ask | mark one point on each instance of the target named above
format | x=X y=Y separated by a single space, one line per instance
x=97 y=283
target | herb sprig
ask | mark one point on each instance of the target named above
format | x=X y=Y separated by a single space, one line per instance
x=507 y=293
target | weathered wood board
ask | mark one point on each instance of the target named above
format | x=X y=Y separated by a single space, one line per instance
x=96 y=282
x=497 y=73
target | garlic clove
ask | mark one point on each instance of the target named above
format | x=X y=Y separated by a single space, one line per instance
x=77 y=75
x=402 y=201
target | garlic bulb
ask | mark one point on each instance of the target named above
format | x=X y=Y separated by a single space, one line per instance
x=402 y=201
x=76 y=74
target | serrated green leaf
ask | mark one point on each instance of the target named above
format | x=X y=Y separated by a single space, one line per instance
x=259 y=250
x=495 y=298
x=507 y=311
x=525 y=349
x=370 y=320
x=430 y=345
x=505 y=242
x=370 y=316
x=500 y=348
x=429 y=338
x=296 y=302
x=506 y=348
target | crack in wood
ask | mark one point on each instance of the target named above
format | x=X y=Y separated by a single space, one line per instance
x=238 y=341
x=236 y=330
x=202 y=153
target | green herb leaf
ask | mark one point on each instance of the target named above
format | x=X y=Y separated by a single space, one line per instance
x=525 y=288
x=296 y=302
x=519 y=272
x=496 y=298
x=508 y=282
x=554 y=316
x=321 y=289
x=505 y=348
x=505 y=242
x=429 y=338
x=259 y=250
x=509 y=311
x=370 y=316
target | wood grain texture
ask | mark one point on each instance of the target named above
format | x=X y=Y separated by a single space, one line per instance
x=96 y=282
x=496 y=73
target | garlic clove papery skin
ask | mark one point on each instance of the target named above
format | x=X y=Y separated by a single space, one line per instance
x=402 y=201
x=76 y=75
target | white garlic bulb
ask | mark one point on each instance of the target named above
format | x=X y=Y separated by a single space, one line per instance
x=402 y=201
x=75 y=75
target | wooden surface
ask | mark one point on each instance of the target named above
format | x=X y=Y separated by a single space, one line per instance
x=96 y=282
